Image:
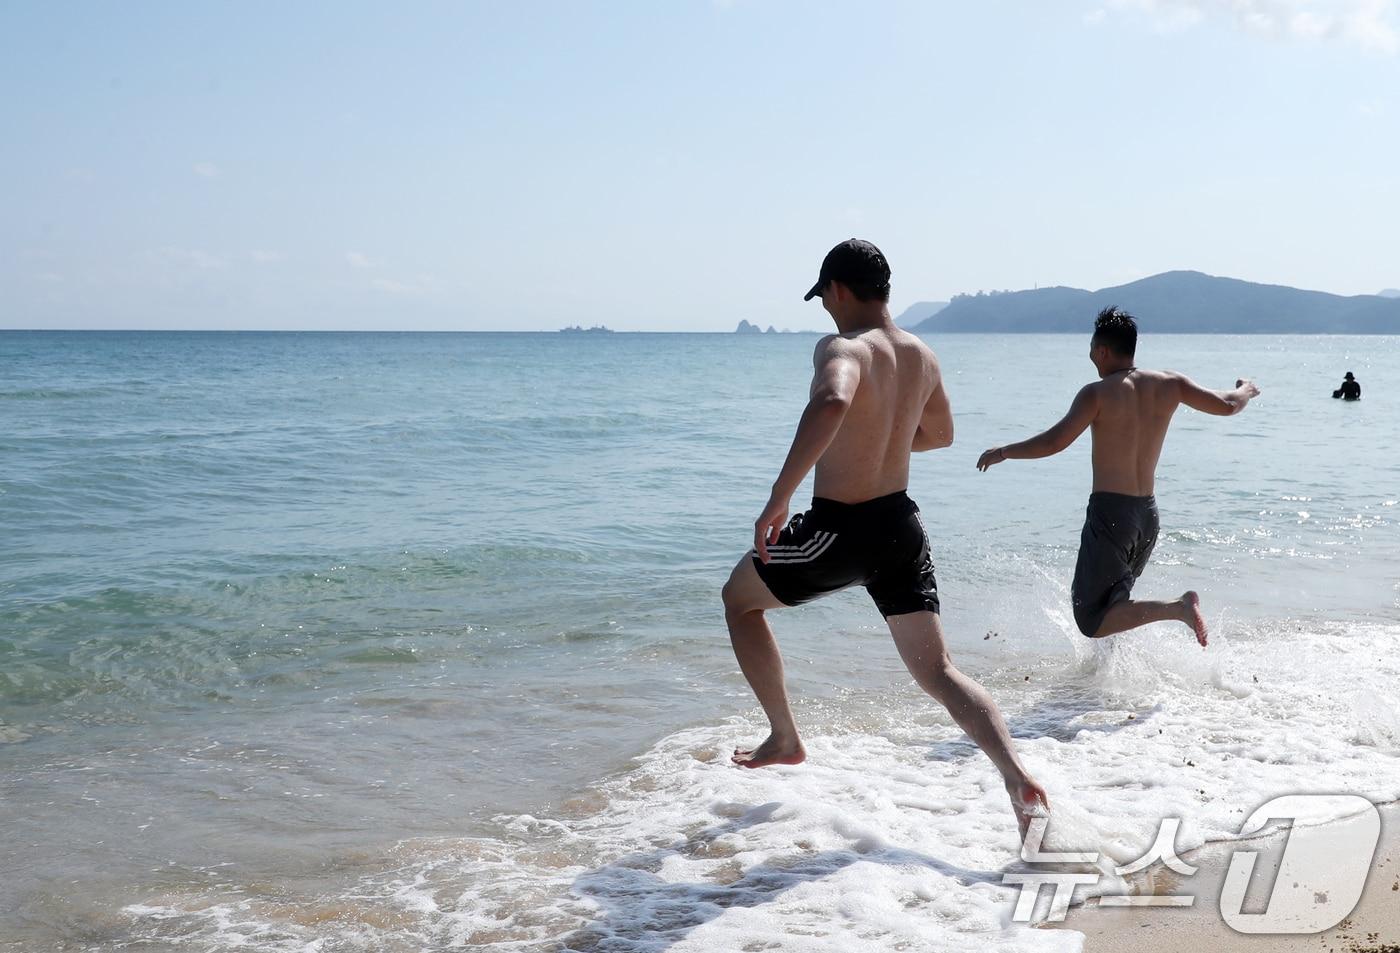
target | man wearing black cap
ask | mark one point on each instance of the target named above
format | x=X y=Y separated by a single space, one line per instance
x=876 y=396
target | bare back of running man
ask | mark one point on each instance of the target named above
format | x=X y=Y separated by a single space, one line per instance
x=876 y=396
x=1129 y=411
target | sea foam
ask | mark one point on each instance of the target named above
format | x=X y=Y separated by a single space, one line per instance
x=890 y=840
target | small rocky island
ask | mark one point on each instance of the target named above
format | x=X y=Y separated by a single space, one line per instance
x=746 y=328
x=579 y=329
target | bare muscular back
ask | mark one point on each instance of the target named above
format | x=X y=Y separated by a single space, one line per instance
x=1135 y=408
x=1129 y=411
x=897 y=375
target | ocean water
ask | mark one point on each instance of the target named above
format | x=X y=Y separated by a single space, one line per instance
x=334 y=642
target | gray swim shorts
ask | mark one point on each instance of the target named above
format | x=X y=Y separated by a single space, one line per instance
x=1119 y=534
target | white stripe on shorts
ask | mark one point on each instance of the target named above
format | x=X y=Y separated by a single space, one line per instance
x=789 y=559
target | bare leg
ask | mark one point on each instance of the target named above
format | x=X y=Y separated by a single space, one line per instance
x=1123 y=616
x=919 y=638
x=745 y=599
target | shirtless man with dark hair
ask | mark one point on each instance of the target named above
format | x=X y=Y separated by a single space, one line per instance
x=876 y=396
x=1129 y=410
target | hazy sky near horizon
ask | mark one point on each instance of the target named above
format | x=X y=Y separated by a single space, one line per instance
x=676 y=165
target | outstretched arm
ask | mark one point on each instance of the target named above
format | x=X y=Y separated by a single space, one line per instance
x=837 y=373
x=1221 y=403
x=935 y=429
x=1082 y=412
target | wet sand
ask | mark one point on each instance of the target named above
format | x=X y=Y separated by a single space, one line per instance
x=1372 y=927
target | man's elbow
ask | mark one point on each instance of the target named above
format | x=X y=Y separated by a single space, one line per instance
x=937 y=440
x=833 y=403
x=1214 y=408
x=1055 y=442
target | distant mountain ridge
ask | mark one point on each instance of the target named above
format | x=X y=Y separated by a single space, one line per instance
x=1174 y=302
x=919 y=312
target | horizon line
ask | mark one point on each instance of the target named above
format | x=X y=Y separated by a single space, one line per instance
x=738 y=334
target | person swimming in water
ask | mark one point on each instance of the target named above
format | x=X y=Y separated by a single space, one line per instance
x=1129 y=410
x=876 y=397
x=1350 y=389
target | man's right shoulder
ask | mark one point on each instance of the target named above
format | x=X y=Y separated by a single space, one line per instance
x=835 y=345
x=1091 y=391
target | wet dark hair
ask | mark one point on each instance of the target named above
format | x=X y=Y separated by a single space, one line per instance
x=1117 y=331
x=868 y=292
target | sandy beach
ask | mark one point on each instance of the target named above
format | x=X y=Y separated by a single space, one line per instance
x=1372 y=927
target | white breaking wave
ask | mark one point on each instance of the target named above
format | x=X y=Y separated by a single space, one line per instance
x=896 y=840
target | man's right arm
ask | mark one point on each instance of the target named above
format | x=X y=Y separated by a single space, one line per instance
x=1221 y=403
x=1082 y=411
x=834 y=383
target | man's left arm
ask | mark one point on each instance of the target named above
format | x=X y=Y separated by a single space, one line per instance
x=837 y=374
x=935 y=430
x=1081 y=414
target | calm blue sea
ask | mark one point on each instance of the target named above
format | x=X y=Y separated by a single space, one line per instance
x=403 y=641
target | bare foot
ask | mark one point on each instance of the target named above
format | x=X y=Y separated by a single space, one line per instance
x=772 y=751
x=1191 y=607
x=1028 y=800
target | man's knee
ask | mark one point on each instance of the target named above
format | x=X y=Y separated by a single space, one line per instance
x=729 y=595
x=937 y=674
x=1088 y=615
x=1092 y=608
x=747 y=593
x=735 y=598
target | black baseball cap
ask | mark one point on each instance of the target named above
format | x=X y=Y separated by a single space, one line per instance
x=853 y=262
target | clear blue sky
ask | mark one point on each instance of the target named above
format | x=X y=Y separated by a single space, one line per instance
x=676 y=165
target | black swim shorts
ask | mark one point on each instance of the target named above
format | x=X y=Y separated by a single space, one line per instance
x=879 y=544
x=1119 y=534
